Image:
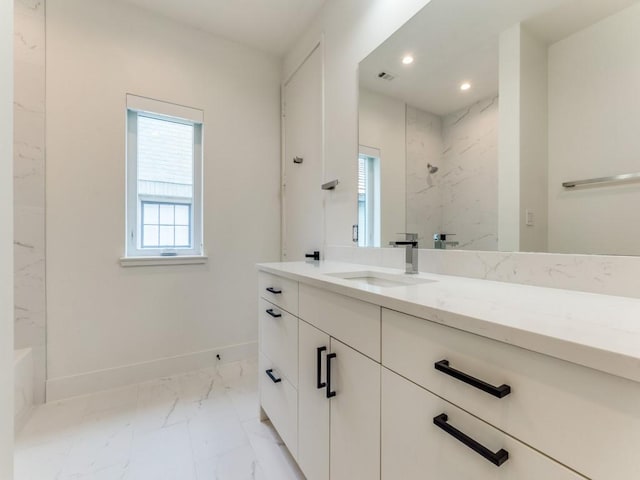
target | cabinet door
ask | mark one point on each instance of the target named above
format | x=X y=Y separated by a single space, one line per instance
x=355 y=415
x=279 y=399
x=415 y=448
x=313 y=404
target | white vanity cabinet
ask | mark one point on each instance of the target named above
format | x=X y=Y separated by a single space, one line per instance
x=336 y=417
x=370 y=393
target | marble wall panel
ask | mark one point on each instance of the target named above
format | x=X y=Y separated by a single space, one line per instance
x=29 y=185
x=607 y=275
x=461 y=198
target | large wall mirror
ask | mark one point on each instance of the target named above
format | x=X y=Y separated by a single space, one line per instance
x=505 y=125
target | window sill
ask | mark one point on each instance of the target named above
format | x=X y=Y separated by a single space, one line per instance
x=163 y=261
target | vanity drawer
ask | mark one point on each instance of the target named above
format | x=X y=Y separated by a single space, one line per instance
x=279 y=338
x=351 y=321
x=279 y=399
x=415 y=448
x=279 y=290
x=566 y=411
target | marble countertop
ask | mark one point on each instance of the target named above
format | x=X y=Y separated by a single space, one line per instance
x=598 y=331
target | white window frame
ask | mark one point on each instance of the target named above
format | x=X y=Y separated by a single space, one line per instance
x=176 y=113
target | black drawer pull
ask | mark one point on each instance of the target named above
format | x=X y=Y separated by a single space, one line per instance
x=497 y=458
x=330 y=394
x=500 y=392
x=319 y=383
x=273 y=314
x=272 y=376
x=275 y=291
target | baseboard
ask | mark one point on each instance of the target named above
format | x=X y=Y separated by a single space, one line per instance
x=90 y=382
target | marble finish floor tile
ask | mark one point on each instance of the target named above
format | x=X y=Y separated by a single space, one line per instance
x=200 y=425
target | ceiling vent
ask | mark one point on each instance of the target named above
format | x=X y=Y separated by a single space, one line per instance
x=386 y=76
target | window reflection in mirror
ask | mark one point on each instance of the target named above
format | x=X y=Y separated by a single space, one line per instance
x=369 y=197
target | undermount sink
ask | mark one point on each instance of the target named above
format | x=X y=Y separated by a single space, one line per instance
x=380 y=279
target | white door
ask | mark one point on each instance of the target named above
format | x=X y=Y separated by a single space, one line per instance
x=313 y=404
x=303 y=213
x=355 y=415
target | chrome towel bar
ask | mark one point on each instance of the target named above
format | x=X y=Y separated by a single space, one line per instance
x=612 y=179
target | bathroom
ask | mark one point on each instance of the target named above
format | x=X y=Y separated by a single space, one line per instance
x=196 y=194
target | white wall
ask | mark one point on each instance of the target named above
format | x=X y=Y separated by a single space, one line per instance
x=533 y=143
x=522 y=151
x=593 y=132
x=6 y=239
x=100 y=315
x=351 y=31
x=509 y=141
x=382 y=126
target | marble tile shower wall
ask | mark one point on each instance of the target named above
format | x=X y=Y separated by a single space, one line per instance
x=424 y=146
x=29 y=184
x=606 y=275
x=462 y=197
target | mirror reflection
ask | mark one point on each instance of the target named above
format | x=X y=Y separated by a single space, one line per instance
x=474 y=128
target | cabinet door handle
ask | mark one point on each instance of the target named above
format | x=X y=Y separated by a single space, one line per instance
x=497 y=458
x=500 y=392
x=275 y=291
x=319 y=383
x=272 y=376
x=273 y=314
x=330 y=393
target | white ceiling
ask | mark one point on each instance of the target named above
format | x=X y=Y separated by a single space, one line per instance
x=269 y=25
x=454 y=41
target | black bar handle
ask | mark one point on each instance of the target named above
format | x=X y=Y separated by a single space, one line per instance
x=330 y=394
x=275 y=291
x=273 y=314
x=497 y=458
x=500 y=392
x=315 y=255
x=319 y=383
x=272 y=376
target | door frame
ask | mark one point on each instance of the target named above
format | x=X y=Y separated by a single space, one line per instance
x=317 y=45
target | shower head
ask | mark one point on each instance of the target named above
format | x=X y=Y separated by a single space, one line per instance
x=432 y=168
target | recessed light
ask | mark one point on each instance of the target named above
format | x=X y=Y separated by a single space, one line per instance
x=465 y=86
x=407 y=59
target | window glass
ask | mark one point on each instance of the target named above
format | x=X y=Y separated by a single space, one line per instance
x=163 y=228
x=165 y=181
x=368 y=201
